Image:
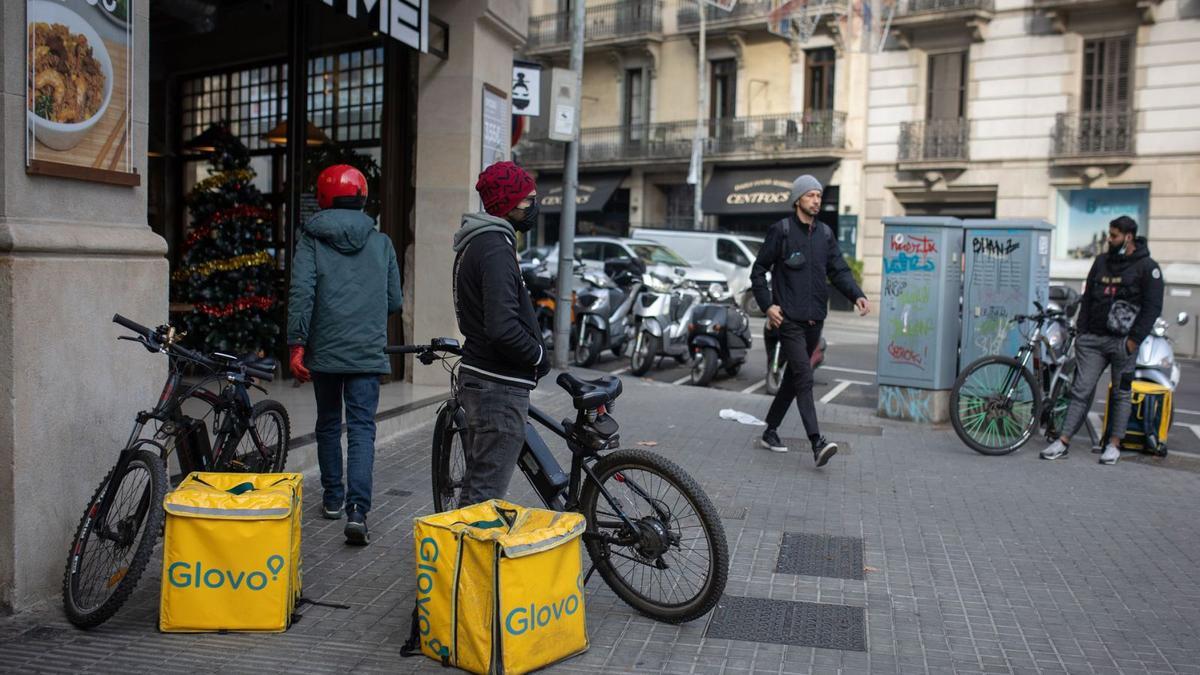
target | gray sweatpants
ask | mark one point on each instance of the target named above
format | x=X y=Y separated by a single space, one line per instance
x=1094 y=353
x=496 y=416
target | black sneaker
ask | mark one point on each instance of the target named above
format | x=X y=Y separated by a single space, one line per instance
x=770 y=440
x=356 y=527
x=823 y=451
x=332 y=512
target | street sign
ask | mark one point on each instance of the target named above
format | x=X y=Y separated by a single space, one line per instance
x=564 y=102
x=527 y=89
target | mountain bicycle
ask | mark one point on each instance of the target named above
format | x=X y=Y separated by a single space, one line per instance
x=652 y=533
x=124 y=518
x=998 y=401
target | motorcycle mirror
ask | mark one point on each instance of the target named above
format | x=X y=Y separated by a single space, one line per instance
x=1182 y=319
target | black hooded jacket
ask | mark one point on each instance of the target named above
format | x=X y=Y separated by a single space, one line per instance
x=1134 y=280
x=802 y=294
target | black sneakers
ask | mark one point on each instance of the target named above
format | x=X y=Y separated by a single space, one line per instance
x=356 y=527
x=770 y=440
x=331 y=512
x=823 y=450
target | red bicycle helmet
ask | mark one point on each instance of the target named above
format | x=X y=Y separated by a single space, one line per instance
x=341 y=185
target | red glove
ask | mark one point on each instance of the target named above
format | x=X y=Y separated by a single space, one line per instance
x=297 y=363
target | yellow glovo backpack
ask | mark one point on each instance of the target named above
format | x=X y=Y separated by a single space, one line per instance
x=231 y=553
x=499 y=588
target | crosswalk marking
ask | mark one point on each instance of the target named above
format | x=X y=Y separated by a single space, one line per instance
x=841 y=386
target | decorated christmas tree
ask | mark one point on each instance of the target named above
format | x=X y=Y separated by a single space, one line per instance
x=227 y=273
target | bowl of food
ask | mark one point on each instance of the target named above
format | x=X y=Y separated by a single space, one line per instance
x=70 y=80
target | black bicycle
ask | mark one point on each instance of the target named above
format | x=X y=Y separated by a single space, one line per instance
x=652 y=533
x=124 y=517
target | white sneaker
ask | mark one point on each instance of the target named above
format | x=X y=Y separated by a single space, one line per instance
x=1056 y=450
x=1111 y=454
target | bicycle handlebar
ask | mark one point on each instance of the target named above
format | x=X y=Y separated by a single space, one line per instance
x=151 y=339
x=446 y=345
x=406 y=349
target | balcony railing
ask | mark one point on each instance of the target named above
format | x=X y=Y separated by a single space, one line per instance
x=688 y=16
x=1094 y=134
x=929 y=6
x=934 y=140
x=666 y=141
x=610 y=20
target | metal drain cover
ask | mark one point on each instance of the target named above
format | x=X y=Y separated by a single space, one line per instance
x=820 y=555
x=787 y=622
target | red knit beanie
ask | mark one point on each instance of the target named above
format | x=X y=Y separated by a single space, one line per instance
x=502 y=186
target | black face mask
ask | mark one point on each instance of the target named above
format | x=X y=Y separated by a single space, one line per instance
x=526 y=223
x=1117 y=249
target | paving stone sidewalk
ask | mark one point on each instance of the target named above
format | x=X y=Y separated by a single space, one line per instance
x=970 y=564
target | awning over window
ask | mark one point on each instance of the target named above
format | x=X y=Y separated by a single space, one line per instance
x=756 y=191
x=595 y=189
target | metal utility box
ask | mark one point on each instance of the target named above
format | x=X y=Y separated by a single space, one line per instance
x=918 y=309
x=1007 y=269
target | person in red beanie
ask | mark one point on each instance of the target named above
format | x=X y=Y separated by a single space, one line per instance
x=503 y=354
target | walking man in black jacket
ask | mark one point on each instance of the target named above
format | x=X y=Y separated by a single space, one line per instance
x=802 y=255
x=1123 y=297
x=503 y=355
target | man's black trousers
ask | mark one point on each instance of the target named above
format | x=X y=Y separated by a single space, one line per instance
x=799 y=339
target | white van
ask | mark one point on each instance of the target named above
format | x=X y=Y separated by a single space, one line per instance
x=730 y=254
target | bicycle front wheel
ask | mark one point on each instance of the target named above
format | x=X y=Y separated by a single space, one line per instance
x=659 y=544
x=449 y=459
x=994 y=405
x=111 y=549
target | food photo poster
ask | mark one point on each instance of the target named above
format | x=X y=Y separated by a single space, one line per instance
x=79 y=72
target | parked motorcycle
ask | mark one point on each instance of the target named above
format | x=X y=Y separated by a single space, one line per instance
x=661 y=317
x=777 y=360
x=541 y=281
x=719 y=337
x=604 y=310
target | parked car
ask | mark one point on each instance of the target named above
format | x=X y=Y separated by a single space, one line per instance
x=730 y=254
x=660 y=259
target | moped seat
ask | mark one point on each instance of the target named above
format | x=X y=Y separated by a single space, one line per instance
x=590 y=394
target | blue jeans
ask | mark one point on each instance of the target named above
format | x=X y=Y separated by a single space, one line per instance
x=495 y=435
x=360 y=395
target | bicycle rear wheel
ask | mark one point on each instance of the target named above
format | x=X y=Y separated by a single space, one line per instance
x=449 y=459
x=268 y=452
x=672 y=564
x=110 y=550
x=985 y=415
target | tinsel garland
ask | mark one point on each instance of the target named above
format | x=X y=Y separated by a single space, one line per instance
x=221 y=217
x=239 y=305
x=239 y=175
x=227 y=265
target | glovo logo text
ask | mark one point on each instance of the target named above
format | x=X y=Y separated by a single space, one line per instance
x=528 y=619
x=183 y=574
x=426 y=570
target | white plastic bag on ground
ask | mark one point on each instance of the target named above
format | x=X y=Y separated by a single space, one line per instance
x=741 y=417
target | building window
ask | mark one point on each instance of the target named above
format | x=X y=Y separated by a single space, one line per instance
x=723 y=87
x=635 y=106
x=947 y=92
x=819 y=78
x=680 y=206
x=252 y=100
x=1106 y=67
x=345 y=94
x=1081 y=228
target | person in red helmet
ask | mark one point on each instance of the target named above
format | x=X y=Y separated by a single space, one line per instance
x=503 y=354
x=345 y=283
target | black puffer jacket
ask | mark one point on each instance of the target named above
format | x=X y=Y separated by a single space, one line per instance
x=1132 y=283
x=802 y=294
x=495 y=314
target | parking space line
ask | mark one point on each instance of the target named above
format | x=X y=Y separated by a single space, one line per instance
x=683 y=379
x=847 y=370
x=619 y=371
x=1187 y=412
x=841 y=386
x=755 y=387
x=1194 y=427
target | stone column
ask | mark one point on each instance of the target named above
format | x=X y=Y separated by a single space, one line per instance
x=72 y=254
x=450 y=100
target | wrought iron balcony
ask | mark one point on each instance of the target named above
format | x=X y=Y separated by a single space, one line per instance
x=1091 y=135
x=609 y=22
x=749 y=14
x=798 y=133
x=972 y=15
x=934 y=142
x=914 y=7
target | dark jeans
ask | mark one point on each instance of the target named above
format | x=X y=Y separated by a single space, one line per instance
x=799 y=340
x=496 y=416
x=360 y=396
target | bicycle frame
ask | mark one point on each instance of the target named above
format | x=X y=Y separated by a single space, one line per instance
x=1057 y=372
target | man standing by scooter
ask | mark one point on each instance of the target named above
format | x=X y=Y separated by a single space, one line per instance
x=503 y=355
x=1122 y=298
x=802 y=256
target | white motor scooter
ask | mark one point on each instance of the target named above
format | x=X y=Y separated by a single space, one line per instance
x=1156 y=357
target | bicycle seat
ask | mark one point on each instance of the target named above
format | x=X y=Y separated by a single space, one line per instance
x=589 y=394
